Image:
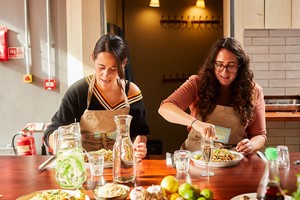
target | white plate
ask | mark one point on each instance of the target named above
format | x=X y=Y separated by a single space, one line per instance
x=108 y=165
x=253 y=196
x=201 y=163
x=30 y=195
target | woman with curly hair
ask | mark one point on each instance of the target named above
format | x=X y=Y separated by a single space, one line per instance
x=224 y=101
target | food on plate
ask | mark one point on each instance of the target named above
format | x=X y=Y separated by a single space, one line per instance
x=59 y=194
x=218 y=155
x=108 y=157
x=111 y=190
x=245 y=197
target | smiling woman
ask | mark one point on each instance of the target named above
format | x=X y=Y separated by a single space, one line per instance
x=223 y=94
x=94 y=100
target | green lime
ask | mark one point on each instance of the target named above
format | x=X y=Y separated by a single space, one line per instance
x=184 y=187
x=201 y=198
x=189 y=194
x=207 y=193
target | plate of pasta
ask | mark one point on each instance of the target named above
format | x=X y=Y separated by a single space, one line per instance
x=219 y=158
x=55 y=194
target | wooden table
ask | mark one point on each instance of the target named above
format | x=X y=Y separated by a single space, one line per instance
x=19 y=176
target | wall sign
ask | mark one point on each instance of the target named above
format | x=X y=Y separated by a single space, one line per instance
x=15 y=52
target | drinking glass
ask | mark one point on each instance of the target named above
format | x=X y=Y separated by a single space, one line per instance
x=207 y=145
x=283 y=159
x=182 y=160
x=96 y=162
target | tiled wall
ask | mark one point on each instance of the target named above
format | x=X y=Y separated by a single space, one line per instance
x=275 y=61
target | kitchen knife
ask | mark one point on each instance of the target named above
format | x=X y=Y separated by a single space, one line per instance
x=45 y=164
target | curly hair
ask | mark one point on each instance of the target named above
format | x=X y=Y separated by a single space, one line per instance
x=241 y=89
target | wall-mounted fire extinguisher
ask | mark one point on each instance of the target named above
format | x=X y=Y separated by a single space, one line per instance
x=3 y=44
x=25 y=143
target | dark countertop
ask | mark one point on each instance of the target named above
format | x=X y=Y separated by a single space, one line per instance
x=282 y=116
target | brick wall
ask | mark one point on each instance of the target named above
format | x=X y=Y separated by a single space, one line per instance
x=275 y=61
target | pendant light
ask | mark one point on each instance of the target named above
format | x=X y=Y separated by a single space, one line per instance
x=154 y=3
x=200 y=4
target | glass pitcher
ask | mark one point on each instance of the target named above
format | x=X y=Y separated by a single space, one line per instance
x=70 y=172
x=123 y=156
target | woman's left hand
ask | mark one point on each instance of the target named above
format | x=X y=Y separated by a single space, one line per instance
x=140 y=148
x=245 y=146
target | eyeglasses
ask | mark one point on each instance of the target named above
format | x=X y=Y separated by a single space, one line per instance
x=231 y=68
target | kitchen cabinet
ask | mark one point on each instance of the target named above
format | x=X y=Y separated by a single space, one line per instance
x=278 y=14
x=253 y=14
x=268 y=14
x=295 y=14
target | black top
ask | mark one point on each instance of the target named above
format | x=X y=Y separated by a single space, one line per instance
x=74 y=103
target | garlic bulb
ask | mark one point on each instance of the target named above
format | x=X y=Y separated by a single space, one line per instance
x=138 y=193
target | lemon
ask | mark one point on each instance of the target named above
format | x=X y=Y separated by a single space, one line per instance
x=207 y=193
x=170 y=184
x=174 y=196
x=184 y=187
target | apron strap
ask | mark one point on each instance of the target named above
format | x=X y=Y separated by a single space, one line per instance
x=121 y=82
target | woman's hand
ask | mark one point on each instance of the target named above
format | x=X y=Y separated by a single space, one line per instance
x=207 y=130
x=245 y=146
x=140 y=148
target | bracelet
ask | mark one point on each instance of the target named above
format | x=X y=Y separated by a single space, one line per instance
x=193 y=122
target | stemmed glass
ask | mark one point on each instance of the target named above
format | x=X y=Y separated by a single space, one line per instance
x=207 y=145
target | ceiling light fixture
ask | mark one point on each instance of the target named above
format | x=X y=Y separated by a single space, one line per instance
x=154 y=3
x=200 y=4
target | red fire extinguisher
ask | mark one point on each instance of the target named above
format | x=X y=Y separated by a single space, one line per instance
x=25 y=144
x=3 y=44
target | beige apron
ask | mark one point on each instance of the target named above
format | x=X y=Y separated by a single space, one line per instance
x=221 y=116
x=98 y=129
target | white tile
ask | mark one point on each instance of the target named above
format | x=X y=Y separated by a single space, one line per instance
x=273 y=124
x=269 y=41
x=247 y=41
x=293 y=124
x=284 y=32
x=293 y=91
x=293 y=57
x=285 y=83
x=257 y=49
x=284 y=49
x=269 y=74
x=268 y=58
x=262 y=83
x=275 y=140
x=292 y=74
x=293 y=40
x=259 y=66
x=292 y=140
x=256 y=32
x=274 y=91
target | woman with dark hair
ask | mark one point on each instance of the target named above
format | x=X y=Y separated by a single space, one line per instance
x=94 y=100
x=223 y=96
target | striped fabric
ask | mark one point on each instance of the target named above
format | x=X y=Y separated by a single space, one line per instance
x=104 y=101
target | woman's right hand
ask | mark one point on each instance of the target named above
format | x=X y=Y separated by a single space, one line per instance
x=206 y=130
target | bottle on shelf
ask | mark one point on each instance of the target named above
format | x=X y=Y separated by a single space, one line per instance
x=269 y=187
